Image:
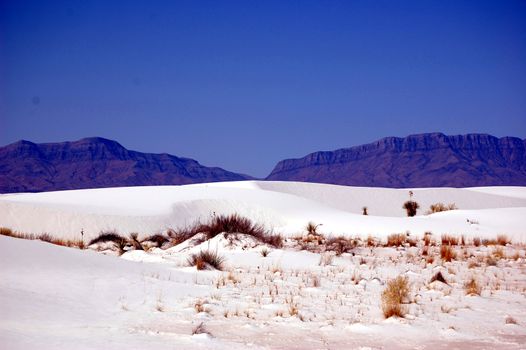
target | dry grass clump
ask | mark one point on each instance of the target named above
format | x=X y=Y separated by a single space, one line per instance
x=396 y=239
x=393 y=296
x=447 y=253
x=488 y=242
x=503 y=240
x=476 y=241
x=449 y=239
x=206 y=260
x=438 y=207
x=4 y=231
x=472 y=287
x=340 y=245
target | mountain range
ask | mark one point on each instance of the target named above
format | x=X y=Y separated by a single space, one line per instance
x=423 y=160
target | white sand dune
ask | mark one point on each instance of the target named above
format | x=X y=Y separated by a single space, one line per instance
x=283 y=206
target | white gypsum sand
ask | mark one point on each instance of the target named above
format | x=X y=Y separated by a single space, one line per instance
x=55 y=297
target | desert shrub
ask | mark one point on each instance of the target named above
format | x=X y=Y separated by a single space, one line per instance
x=427 y=238
x=206 y=259
x=438 y=207
x=108 y=236
x=134 y=240
x=312 y=228
x=487 y=242
x=4 y=231
x=275 y=240
x=371 y=242
x=111 y=236
x=476 y=241
x=503 y=240
x=472 y=287
x=449 y=240
x=157 y=239
x=411 y=207
x=396 y=239
x=393 y=296
x=339 y=245
x=447 y=253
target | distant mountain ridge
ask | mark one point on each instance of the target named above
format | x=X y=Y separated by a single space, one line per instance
x=423 y=160
x=96 y=162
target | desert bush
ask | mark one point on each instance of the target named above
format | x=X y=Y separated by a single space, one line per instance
x=230 y=224
x=339 y=245
x=108 y=236
x=427 y=238
x=312 y=228
x=396 y=239
x=411 y=207
x=447 y=253
x=503 y=240
x=4 y=231
x=488 y=242
x=472 y=287
x=476 y=241
x=206 y=259
x=439 y=207
x=393 y=296
x=157 y=239
x=449 y=240
x=134 y=240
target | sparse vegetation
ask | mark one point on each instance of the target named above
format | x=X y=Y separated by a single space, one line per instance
x=206 y=259
x=396 y=239
x=503 y=240
x=393 y=296
x=472 y=287
x=439 y=207
x=447 y=253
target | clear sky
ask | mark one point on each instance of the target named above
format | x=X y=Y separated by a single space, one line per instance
x=244 y=84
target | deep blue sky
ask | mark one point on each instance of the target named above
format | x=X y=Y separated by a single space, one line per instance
x=244 y=84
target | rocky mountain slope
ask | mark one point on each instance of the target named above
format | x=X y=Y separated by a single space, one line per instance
x=424 y=160
x=96 y=162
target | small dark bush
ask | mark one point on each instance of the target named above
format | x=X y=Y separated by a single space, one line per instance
x=157 y=239
x=411 y=207
x=206 y=259
x=134 y=240
x=107 y=237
